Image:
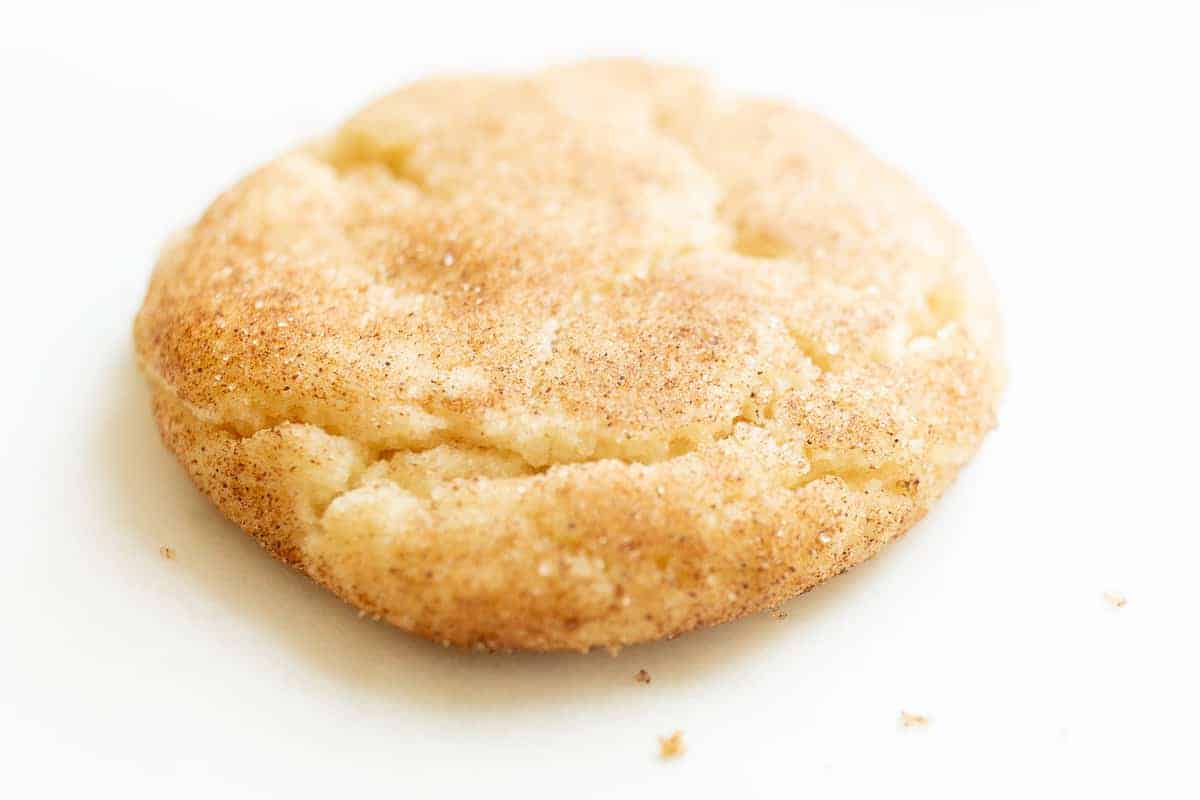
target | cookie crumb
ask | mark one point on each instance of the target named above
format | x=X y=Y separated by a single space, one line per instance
x=169 y=553
x=642 y=676
x=671 y=746
x=910 y=720
x=779 y=613
x=1115 y=599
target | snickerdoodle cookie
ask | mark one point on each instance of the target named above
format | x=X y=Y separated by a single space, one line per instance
x=576 y=359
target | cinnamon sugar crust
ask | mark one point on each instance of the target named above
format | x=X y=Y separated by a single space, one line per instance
x=582 y=358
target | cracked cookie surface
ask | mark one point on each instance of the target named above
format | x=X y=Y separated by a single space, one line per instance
x=582 y=358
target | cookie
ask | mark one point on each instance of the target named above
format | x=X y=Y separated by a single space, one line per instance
x=584 y=358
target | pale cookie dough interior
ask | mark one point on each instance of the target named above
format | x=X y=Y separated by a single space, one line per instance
x=578 y=359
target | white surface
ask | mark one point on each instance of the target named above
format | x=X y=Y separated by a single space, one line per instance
x=1061 y=137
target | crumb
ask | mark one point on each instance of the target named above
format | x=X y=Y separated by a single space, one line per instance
x=779 y=613
x=642 y=676
x=671 y=746
x=167 y=552
x=1115 y=599
x=910 y=720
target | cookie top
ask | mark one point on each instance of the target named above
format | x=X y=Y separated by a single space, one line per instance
x=581 y=358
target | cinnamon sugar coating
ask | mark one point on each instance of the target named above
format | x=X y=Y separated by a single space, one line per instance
x=583 y=358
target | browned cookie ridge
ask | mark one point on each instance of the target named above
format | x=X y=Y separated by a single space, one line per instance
x=583 y=358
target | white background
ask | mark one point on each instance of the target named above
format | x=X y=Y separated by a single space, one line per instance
x=1062 y=137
